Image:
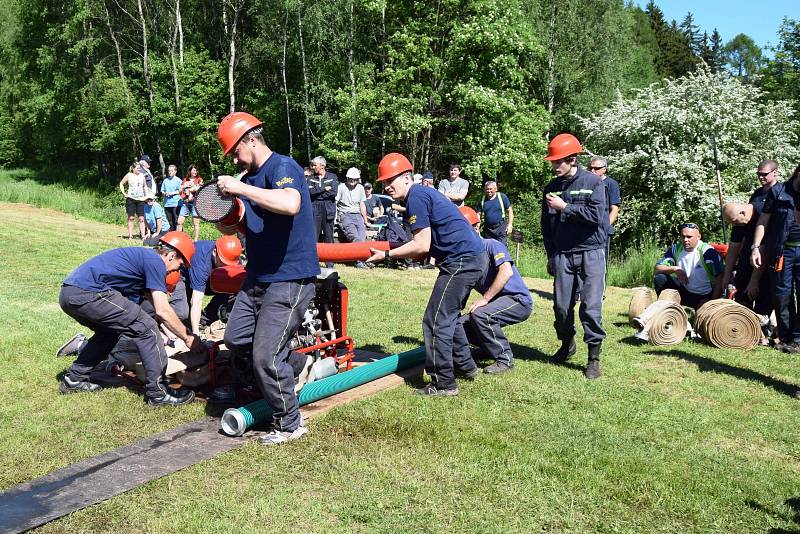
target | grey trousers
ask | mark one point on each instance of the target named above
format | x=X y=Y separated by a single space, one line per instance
x=351 y=228
x=263 y=320
x=585 y=272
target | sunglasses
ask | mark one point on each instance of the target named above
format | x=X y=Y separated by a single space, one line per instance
x=763 y=174
x=597 y=168
x=691 y=226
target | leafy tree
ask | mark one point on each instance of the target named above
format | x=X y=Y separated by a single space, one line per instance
x=781 y=75
x=743 y=56
x=657 y=143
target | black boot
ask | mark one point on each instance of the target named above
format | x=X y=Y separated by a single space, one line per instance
x=567 y=349
x=593 y=368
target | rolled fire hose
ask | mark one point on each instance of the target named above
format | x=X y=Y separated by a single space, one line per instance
x=641 y=299
x=670 y=295
x=236 y=421
x=727 y=324
x=662 y=323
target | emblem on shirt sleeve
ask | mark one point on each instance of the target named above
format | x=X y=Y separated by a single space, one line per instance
x=284 y=181
x=412 y=219
x=500 y=256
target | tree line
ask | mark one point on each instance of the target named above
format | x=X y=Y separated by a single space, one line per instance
x=94 y=83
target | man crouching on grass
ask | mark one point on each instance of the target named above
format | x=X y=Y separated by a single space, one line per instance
x=102 y=294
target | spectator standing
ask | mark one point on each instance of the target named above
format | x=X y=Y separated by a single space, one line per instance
x=455 y=188
x=351 y=211
x=191 y=183
x=599 y=166
x=150 y=180
x=427 y=179
x=323 y=187
x=574 y=231
x=776 y=244
x=171 y=189
x=134 y=198
x=692 y=267
x=155 y=219
x=372 y=205
x=497 y=214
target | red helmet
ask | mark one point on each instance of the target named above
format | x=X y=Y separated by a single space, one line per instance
x=393 y=165
x=229 y=249
x=470 y=215
x=180 y=242
x=233 y=127
x=563 y=145
x=173 y=277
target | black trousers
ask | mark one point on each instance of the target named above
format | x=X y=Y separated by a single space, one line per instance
x=112 y=316
x=497 y=231
x=693 y=300
x=172 y=216
x=263 y=320
x=450 y=292
x=324 y=216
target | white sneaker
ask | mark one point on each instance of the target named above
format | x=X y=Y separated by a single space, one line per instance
x=277 y=437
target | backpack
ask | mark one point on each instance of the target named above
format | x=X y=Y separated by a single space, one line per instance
x=394 y=232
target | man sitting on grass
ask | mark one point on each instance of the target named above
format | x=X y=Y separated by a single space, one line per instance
x=692 y=267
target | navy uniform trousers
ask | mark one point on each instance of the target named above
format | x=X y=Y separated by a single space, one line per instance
x=484 y=328
x=450 y=292
x=583 y=271
x=113 y=316
x=263 y=320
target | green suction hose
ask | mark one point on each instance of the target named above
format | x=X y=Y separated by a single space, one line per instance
x=236 y=421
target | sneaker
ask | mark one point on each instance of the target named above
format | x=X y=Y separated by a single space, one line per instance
x=592 y=370
x=68 y=385
x=73 y=346
x=432 y=391
x=223 y=395
x=361 y=265
x=172 y=397
x=563 y=354
x=277 y=437
x=302 y=378
x=790 y=348
x=472 y=374
x=498 y=368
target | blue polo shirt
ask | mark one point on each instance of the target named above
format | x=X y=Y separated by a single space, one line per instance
x=130 y=271
x=492 y=210
x=613 y=197
x=151 y=216
x=451 y=235
x=498 y=255
x=202 y=264
x=280 y=247
x=171 y=185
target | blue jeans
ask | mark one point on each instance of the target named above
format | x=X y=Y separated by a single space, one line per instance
x=785 y=283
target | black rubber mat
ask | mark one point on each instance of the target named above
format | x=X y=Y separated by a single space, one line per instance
x=90 y=481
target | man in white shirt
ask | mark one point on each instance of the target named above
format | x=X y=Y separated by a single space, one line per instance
x=350 y=210
x=455 y=188
x=690 y=266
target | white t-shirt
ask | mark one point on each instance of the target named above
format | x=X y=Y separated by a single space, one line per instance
x=692 y=264
x=349 y=200
x=135 y=186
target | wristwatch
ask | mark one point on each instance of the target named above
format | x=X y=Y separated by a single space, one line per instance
x=754 y=246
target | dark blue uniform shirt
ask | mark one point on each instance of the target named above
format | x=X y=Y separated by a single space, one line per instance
x=493 y=214
x=451 y=235
x=130 y=271
x=613 y=198
x=202 y=264
x=498 y=255
x=280 y=247
x=583 y=223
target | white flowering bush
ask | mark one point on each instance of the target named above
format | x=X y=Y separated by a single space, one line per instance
x=658 y=148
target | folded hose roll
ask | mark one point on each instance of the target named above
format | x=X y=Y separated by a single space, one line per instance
x=662 y=323
x=727 y=324
x=671 y=295
x=641 y=299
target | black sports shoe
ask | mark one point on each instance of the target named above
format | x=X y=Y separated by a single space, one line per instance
x=171 y=397
x=68 y=385
x=592 y=370
x=472 y=374
x=73 y=346
x=567 y=349
x=432 y=391
x=498 y=367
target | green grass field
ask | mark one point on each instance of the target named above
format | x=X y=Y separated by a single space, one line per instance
x=683 y=439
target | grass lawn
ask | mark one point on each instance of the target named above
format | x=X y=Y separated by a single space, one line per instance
x=688 y=438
